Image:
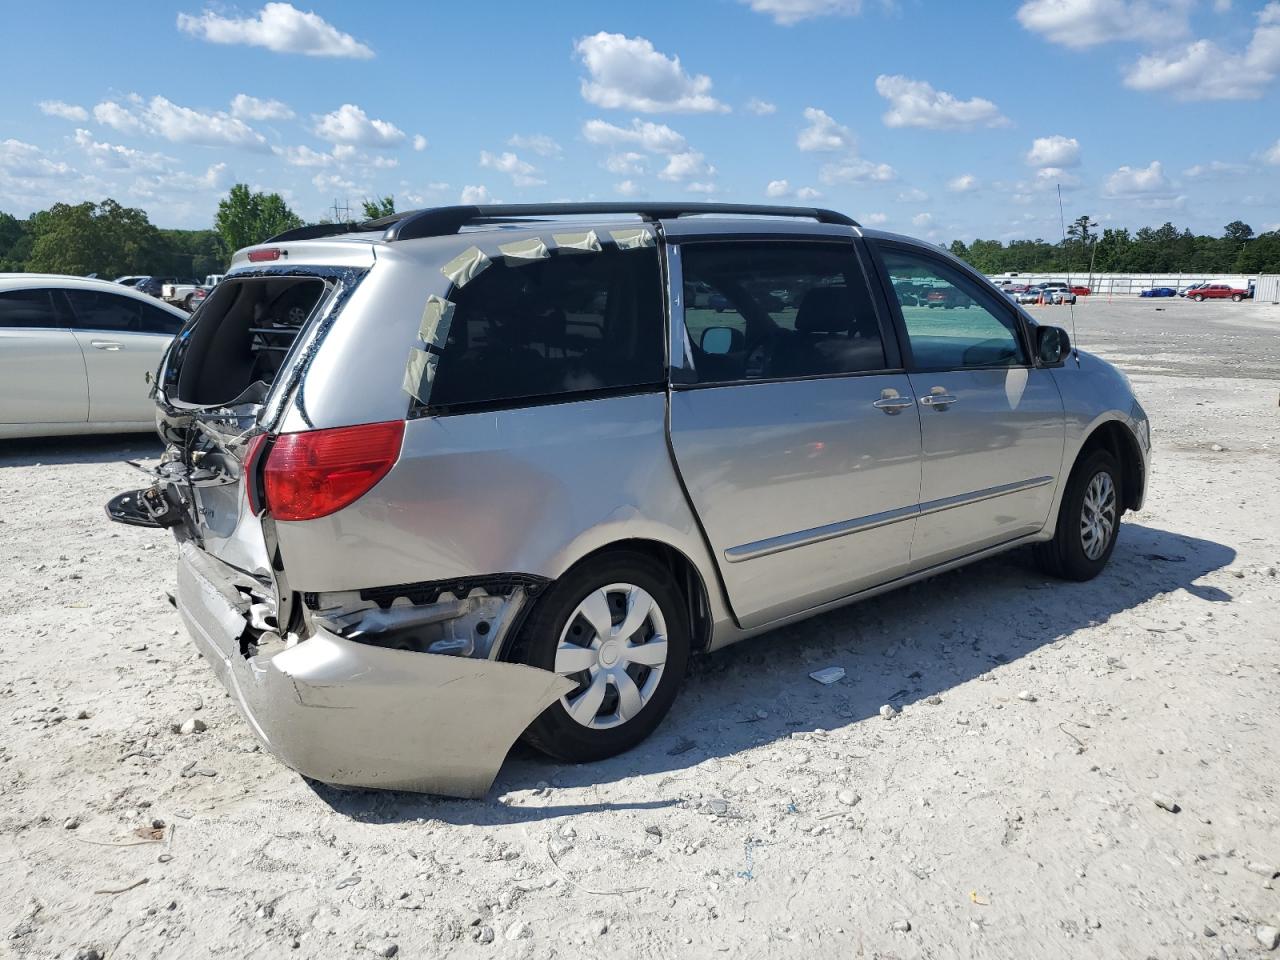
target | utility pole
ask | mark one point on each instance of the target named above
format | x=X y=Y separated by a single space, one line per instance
x=341 y=213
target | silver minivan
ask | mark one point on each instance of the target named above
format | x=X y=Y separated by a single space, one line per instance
x=465 y=474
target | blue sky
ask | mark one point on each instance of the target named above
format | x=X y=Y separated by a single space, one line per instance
x=938 y=119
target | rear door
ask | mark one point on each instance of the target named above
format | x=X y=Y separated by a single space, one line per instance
x=42 y=372
x=992 y=424
x=122 y=339
x=792 y=423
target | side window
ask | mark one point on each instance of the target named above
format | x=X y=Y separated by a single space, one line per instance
x=571 y=323
x=950 y=320
x=27 y=308
x=155 y=320
x=763 y=310
x=94 y=310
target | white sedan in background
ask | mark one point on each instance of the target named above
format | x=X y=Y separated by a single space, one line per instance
x=75 y=355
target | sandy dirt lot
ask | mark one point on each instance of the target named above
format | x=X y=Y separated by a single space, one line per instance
x=1006 y=811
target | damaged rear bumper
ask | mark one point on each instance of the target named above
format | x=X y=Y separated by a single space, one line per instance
x=348 y=713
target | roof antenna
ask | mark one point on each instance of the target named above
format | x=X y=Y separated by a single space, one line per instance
x=1062 y=220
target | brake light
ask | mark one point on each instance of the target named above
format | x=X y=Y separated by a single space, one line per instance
x=313 y=474
x=262 y=256
x=253 y=474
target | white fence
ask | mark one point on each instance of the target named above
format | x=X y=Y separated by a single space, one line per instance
x=1131 y=284
x=1268 y=290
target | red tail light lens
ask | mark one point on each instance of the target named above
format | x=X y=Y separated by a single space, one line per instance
x=314 y=474
x=264 y=256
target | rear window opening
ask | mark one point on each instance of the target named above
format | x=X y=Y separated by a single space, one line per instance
x=242 y=333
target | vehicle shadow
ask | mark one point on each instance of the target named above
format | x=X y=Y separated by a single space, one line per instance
x=899 y=648
x=99 y=448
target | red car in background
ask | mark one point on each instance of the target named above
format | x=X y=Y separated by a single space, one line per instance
x=1218 y=291
x=1081 y=291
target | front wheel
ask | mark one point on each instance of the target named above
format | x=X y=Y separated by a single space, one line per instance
x=1088 y=520
x=616 y=627
x=1198 y=298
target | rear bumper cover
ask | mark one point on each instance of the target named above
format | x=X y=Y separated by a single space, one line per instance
x=357 y=715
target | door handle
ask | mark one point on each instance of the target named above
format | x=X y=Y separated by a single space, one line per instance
x=938 y=398
x=893 y=404
x=106 y=344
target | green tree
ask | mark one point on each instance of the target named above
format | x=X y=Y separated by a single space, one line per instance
x=13 y=233
x=104 y=238
x=379 y=207
x=1237 y=231
x=245 y=218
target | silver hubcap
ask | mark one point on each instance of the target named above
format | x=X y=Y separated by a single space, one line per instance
x=1098 y=515
x=615 y=646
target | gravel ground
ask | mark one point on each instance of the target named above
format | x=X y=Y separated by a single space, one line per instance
x=1074 y=769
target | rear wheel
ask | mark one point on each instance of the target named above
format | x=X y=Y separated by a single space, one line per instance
x=616 y=627
x=1236 y=298
x=189 y=302
x=1088 y=520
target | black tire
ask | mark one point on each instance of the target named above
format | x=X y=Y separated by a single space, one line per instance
x=1198 y=298
x=1236 y=298
x=555 y=732
x=186 y=303
x=1064 y=556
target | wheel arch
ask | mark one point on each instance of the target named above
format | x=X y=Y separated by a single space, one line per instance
x=1117 y=439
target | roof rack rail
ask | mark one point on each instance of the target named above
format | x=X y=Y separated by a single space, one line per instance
x=444 y=221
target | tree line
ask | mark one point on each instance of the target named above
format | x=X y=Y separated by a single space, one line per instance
x=1163 y=249
x=111 y=240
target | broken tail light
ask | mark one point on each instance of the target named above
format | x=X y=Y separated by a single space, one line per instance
x=313 y=474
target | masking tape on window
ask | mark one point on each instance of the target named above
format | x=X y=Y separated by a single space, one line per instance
x=587 y=242
x=466 y=266
x=436 y=320
x=524 y=251
x=420 y=373
x=632 y=239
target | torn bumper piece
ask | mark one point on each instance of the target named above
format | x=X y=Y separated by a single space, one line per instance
x=348 y=713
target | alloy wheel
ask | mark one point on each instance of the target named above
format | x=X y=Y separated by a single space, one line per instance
x=1098 y=515
x=615 y=645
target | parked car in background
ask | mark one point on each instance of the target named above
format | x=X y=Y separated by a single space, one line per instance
x=516 y=479
x=129 y=281
x=1081 y=291
x=1219 y=291
x=947 y=297
x=1158 y=292
x=75 y=355
x=153 y=286
x=1057 y=292
x=1030 y=294
x=1192 y=288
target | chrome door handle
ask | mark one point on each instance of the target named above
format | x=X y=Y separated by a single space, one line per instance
x=939 y=400
x=893 y=404
x=106 y=344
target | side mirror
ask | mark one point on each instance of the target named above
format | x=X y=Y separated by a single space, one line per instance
x=717 y=340
x=1052 y=345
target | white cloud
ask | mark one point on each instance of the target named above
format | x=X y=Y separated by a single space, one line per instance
x=67 y=111
x=325 y=182
x=856 y=170
x=476 y=194
x=628 y=188
x=912 y=195
x=1054 y=151
x=1137 y=181
x=922 y=219
x=303 y=156
x=873 y=219
x=627 y=164
x=823 y=134
x=627 y=73
x=1272 y=156
x=1215 y=168
x=808 y=193
x=778 y=188
x=351 y=125
x=161 y=117
x=788 y=12
x=118 y=117
x=157 y=186
x=1049 y=178
x=117 y=157
x=1085 y=23
x=251 y=108
x=419 y=142
x=1205 y=70
x=521 y=172
x=915 y=103
x=700 y=187
x=538 y=143
x=279 y=27
x=686 y=166
x=21 y=159
x=965 y=183
x=653 y=137
x=761 y=108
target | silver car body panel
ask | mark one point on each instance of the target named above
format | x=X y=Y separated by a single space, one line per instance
x=787 y=498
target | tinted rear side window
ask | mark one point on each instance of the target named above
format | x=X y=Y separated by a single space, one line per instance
x=97 y=310
x=570 y=324
x=27 y=308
